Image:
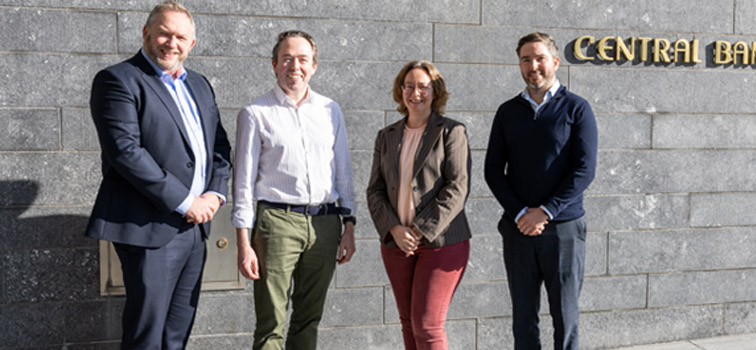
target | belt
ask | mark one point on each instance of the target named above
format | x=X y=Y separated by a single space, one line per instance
x=319 y=209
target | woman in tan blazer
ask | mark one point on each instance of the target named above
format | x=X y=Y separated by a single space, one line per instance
x=418 y=187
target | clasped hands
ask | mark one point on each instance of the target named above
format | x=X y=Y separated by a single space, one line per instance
x=203 y=208
x=408 y=239
x=533 y=222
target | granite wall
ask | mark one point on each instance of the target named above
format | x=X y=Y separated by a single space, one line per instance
x=672 y=241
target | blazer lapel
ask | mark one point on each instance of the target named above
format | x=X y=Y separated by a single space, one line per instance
x=394 y=141
x=152 y=79
x=195 y=84
x=431 y=135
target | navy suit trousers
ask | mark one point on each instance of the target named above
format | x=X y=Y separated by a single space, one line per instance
x=555 y=258
x=162 y=290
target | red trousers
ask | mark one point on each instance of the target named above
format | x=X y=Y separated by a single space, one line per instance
x=423 y=285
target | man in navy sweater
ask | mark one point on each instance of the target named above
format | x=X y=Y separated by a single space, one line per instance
x=541 y=157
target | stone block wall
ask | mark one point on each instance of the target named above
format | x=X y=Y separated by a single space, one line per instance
x=671 y=250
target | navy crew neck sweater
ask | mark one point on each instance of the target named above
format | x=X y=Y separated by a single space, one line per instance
x=545 y=159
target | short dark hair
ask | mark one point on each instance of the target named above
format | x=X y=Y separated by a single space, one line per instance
x=293 y=34
x=539 y=37
x=166 y=6
x=440 y=95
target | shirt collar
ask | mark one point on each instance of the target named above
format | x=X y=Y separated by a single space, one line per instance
x=549 y=94
x=163 y=75
x=282 y=98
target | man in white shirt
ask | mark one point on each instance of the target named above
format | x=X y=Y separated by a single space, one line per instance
x=292 y=158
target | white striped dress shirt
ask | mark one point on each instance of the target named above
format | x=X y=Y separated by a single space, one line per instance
x=289 y=154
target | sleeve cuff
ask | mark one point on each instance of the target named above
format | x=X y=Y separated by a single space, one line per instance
x=548 y=213
x=222 y=197
x=520 y=214
x=184 y=206
x=243 y=217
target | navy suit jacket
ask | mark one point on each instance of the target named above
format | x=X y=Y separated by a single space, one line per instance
x=147 y=160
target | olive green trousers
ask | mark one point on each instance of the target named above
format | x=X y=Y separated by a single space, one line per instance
x=298 y=248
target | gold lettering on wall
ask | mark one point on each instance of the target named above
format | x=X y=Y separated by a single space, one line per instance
x=644 y=48
x=740 y=51
x=681 y=46
x=602 y=46
x=695 y=52
x=722 y=53
x=615 y=48
x=661 y=50
x=623 y=52
x=578 y=47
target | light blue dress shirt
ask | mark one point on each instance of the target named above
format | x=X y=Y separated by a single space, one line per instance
x=193 y=124
x=549 y=94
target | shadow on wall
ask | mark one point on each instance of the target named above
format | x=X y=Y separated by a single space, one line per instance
x=49 y=276
x=39 y=227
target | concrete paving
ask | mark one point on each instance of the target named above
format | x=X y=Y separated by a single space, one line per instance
x=729 y=342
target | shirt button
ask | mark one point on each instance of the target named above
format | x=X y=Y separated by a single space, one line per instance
x=189 y=164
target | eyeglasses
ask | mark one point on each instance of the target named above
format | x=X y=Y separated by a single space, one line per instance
x=424 y=89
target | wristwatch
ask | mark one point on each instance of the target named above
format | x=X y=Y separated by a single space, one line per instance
x=351 y=219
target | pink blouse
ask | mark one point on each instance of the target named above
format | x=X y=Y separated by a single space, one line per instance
x=405 y=202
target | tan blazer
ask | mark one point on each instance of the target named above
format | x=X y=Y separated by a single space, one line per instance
x=440 y=182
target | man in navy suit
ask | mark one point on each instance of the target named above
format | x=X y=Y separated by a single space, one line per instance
x=165 y=164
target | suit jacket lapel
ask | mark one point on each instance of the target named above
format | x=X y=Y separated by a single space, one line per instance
x=194 y=83
x=152 y=79
x=394 y=140
x=431 y=135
